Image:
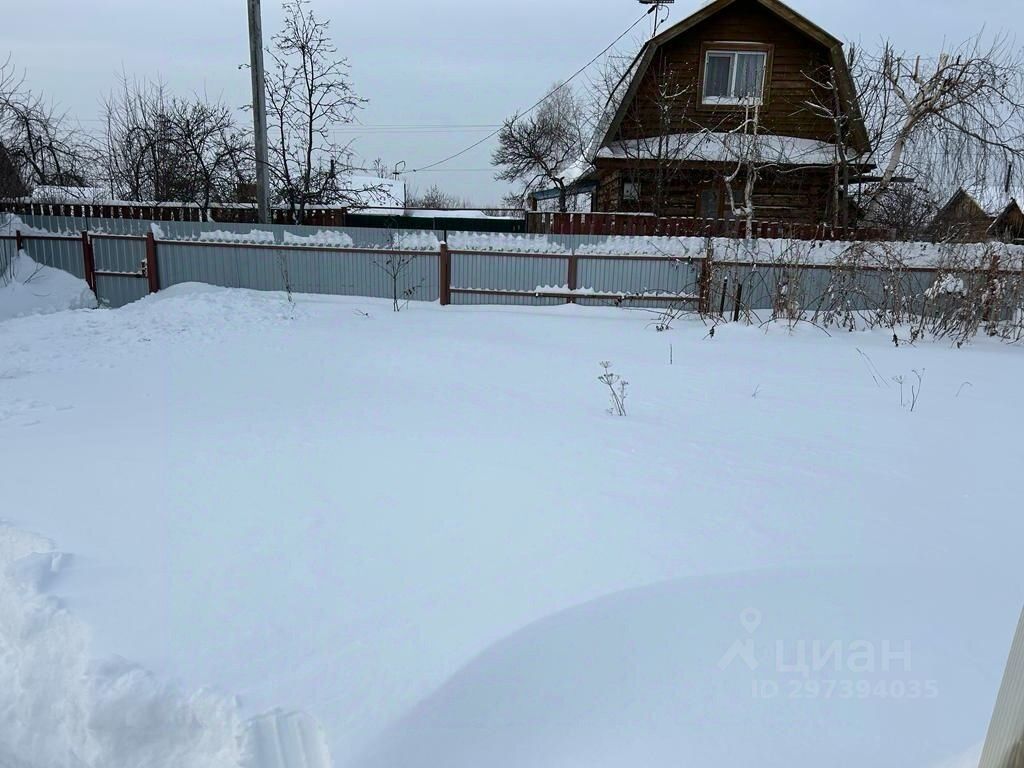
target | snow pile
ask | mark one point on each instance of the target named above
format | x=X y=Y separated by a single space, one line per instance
x=9 y=224
x=59 y=710
x=323 y=237
x=254 y=237
x=28 y=288
x=721 y=669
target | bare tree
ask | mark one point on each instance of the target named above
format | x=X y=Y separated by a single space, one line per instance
x=748 y=164
x=906 y=210
x=437 y=199
x=215 y=154
x=309 y=93
x=40 y=145
x=164 y=148
x=828 y=101
x=956 y=120
x=141 y=154
x=395 y=264
x=544 y=149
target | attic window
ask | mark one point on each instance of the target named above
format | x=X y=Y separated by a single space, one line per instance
x=734 y=77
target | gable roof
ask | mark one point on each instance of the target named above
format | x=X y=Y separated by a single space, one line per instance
x=962 y=196
x=858 y=134
x=1010 y=218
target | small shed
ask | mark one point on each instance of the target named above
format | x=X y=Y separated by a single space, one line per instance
x=962 y=219
x=969 y=217
x=1009 y=224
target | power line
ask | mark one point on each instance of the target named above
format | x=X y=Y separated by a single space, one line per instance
x=576 y=74
x=454 y=170
x=358 y=131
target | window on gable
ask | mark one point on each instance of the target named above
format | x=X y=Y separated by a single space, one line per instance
x=734 y=77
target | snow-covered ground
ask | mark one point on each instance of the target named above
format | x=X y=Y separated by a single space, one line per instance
x=418 y=539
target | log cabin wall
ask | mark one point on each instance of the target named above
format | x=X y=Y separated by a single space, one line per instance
x=677 y=71
x=803 y=196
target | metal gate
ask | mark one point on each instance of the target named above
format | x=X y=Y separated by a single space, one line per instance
x=119 y=267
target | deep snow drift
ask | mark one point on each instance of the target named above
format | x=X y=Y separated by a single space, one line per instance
x=422 y=533
x=58 y=708
x=28 y=288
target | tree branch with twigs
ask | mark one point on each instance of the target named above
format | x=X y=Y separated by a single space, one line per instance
x=309 y=94
x=545 y=148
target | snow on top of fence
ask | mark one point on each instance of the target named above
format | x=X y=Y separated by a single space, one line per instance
x=255 y=237
x=764 y=251
x=323 y=237
x=761 y=252
x=11 y=225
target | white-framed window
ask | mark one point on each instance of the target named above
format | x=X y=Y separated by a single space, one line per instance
x=631 y=191
x=734 y=77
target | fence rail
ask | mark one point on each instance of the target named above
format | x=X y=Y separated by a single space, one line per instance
x=122 y=264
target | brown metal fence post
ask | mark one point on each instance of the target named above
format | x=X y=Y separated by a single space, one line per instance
x=19 y=241
x=444 y=275
x=88 y=262
x=152 y=268
x=571 y=277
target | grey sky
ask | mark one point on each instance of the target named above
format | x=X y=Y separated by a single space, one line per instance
x=445 y=62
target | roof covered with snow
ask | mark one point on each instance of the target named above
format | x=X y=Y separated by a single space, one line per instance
x=55 y=194
x=370 y=191
x=717 y=147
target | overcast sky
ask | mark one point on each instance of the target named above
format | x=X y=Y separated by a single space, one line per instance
x=448 y=63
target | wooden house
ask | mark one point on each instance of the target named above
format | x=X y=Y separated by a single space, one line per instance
x=740 y=89
x=1008 y=226
x=962 y=219
x=966 y=219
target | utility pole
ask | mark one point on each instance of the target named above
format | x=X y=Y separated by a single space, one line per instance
x=259 y=109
